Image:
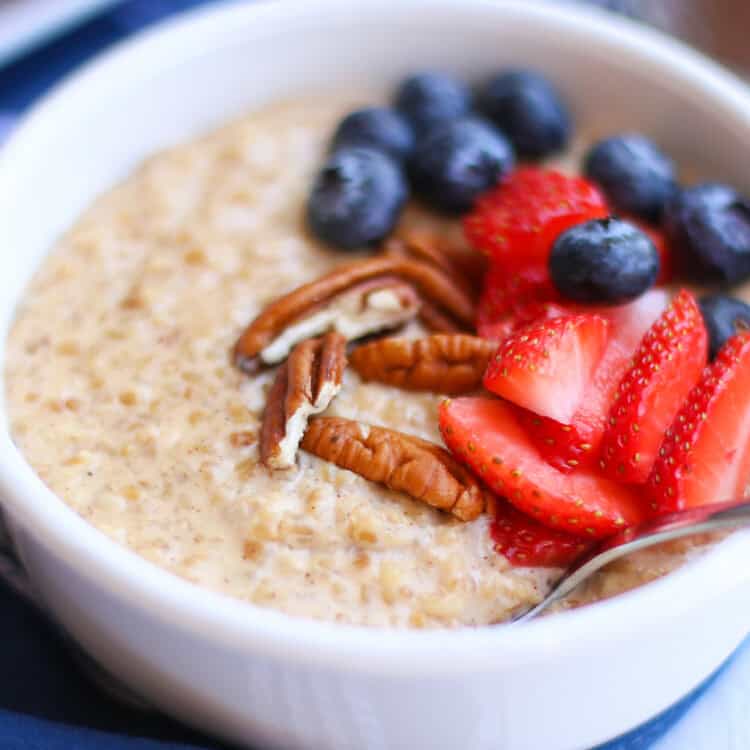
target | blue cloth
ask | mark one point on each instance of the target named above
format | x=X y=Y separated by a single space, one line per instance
x=45 y=701
x=21 y=83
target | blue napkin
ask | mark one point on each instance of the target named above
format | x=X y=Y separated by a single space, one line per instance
x=24 y=81
x=46 y=703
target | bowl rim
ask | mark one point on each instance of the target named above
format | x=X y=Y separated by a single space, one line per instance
x=241 y=625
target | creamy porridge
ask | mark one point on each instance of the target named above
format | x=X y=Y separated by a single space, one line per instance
x=123 y=398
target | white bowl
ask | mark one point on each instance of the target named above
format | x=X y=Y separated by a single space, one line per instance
x=256 y=676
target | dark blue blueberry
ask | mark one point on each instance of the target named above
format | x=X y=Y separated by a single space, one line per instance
x=356 y=198
x=724 y=317
x=456 y=161
x=528 y=109
x=634 y=174
x=604 y=261
x=381 y=128
x=709 y=226
x=431 y=97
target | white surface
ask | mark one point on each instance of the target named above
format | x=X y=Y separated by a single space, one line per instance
x=720 y=720
x=25 y=23
x=255 y=675
x=7 y=122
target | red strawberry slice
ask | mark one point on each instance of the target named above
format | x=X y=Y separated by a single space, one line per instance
x=666 y=365
x=705 y=455
x=575 y=445
x=561 y=445
x=526 y=543
x=546 y=367
x=531 y=313
x=510 y=300
x=484 y=434
x=517 y=222
x=666 y=262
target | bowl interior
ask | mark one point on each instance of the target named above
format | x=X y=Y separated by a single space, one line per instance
x=172 y=84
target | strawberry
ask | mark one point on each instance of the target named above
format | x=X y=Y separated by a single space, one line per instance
x=510 y=300
x=546 y=366
x=666 y=365
x=576 y=445
x=563 y=446
x=517 y=222
x=666 y=262
x=524 y=542
x=484 y=434
x=705 y=455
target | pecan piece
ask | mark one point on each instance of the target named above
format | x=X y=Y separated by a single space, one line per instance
x=269 y=337
x=427 y=252
x=305 y=384
x=367 y=308
x=401 y=462
x=442 y=363
x=459 y=261
x=418 y=247
x=434 y=320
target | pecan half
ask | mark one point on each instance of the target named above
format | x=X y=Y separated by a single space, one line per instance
x=419 y=247
x=442 y=363
x=368 y=307
x=430 y=247
x=433 y=319
x=269 y=337
x=305 y=384
x=401 y=462
x=375 y=305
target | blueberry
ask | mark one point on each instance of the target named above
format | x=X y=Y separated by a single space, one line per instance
x=381 y=128
x=431 y=97
x=724 y=317
x=607 y=261
x=456 y=161
x=528 y=109
x=356 y=198
x=709 y=225
x=634 y=174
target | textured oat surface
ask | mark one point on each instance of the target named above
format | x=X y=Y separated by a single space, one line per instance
x=123 y=399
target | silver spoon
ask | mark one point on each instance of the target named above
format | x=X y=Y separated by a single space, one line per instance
x=663 y=529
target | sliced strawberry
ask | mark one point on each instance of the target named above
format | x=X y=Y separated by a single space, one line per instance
x=666 y=262
x=484 y=434
x=666 y=365
x=520 y=318
x=517 y=222
x=705 y=455
x=526 y=543
x=575 y=445
x=546 y=366
x=510 y=300
x=659 y=238
x=497 y=331
x=561 y=445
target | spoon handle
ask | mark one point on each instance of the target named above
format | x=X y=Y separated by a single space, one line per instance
x=666 y=528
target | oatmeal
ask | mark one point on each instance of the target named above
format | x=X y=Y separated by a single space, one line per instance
x=123 y=398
